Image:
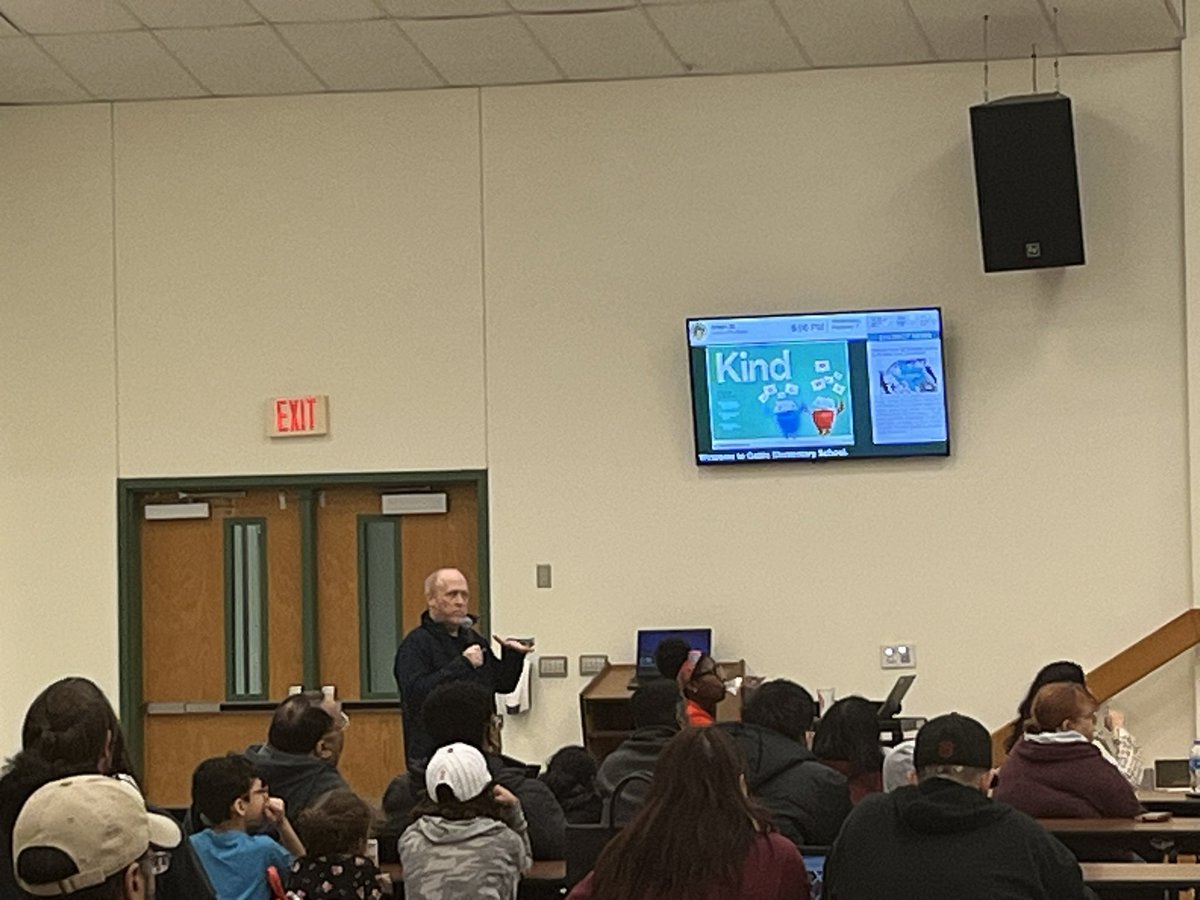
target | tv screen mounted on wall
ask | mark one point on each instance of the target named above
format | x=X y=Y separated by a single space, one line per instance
x=816 y=386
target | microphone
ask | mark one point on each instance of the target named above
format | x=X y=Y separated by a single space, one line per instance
x=468 y=622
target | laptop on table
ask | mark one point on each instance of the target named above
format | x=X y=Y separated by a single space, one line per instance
x=648 y=640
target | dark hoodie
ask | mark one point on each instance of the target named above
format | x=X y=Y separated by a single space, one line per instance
x=298 y=778
x=945 y=841
x=637 y=754
x=808 y=800
x=1068 y=780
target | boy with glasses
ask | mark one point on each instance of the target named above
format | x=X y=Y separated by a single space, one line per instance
x=231 y=800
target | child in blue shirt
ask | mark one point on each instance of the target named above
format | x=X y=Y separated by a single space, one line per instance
x=230 y=798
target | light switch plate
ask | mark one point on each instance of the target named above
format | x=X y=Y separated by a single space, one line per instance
x=897 y=656
x=590 y=664
x=552 y=666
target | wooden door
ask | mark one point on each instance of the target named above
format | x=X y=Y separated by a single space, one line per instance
x=184 y=633
x=374 y=747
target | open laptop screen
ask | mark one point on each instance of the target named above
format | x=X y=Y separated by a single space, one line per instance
x=814 y=862
x=648 y=640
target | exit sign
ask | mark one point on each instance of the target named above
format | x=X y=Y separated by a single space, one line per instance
x=298 y=416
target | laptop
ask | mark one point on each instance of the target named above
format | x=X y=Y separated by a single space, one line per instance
x=814 y=862
x=891 y=706
x=1172 y=775
x=648 y=640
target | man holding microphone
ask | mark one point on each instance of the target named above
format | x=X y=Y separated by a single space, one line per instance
x=446 y=647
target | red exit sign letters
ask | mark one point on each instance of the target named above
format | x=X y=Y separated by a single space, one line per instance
x=298 y=416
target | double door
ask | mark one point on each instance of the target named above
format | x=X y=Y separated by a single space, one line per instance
x=276 y=586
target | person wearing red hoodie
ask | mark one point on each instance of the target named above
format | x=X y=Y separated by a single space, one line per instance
x=702 y=684
x=1054 y=770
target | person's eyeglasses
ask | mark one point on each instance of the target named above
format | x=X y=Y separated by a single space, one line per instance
x=264 y=790
x=158 y=861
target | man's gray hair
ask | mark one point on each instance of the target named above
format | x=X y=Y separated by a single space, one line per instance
x=968 y=775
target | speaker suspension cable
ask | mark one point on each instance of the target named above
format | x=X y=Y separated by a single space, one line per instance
x=1033 y=57
x=986 y=57
x=1057 y=50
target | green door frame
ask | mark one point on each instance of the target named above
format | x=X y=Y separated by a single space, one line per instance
x=129 y=563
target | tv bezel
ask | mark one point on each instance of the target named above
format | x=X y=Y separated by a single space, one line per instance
x=819 y=459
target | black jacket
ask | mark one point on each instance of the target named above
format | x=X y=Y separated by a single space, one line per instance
x=944 y=841
x=429 y=656
x=808 y=800
x=638 y=753
x=298 y=778
x=544 y=817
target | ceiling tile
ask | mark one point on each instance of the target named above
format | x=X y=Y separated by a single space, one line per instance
x=546 y=6
x=192 y=13
x=1107 y=26
x=27 y=75
x=444 y=9
x=352 y=56
x=956 y=29
x=125 y=65
x=618 y=44
x=316 y=10
x=65 y=16
x=744 y=36
x=495 y=50
x=864 y=32
x=237 y=61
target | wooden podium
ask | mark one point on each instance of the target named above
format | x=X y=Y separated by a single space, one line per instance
x=605 y=713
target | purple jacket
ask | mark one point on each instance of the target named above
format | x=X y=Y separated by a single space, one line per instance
x=1064 y=781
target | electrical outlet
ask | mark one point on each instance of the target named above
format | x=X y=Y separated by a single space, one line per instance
x=897 y=656
x=552 y=666
x=590 y=664
x=542 y=575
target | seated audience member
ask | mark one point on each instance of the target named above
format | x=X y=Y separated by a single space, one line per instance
x=463 y=712
x=304 y=743
x=1055 y=771
x=469 y=839
x=847 y=739
x=1116 y=744
x=335 y=866
x=656 y=711
x=571 y=776
x=670 y=655
x=230 y=798
x=698 y=835
x=702 y=684
x=943 y=839
x=90 y=836
x=71 y=729
x=807 y=800
x=898 y=766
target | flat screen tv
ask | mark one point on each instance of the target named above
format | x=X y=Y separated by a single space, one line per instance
x=815 y=386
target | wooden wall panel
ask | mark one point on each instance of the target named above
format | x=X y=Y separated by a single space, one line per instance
x=180 y=742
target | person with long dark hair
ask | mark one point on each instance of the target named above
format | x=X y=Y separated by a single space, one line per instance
x=847 y=739
x=699 y=835
x=1115 y=744
x=72 y=729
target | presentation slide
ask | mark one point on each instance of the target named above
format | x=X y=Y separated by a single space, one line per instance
x=818 y=386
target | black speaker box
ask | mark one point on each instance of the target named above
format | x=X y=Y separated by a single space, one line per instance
x=1027 y=183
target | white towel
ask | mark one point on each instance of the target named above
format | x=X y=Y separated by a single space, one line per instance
x=517 y=701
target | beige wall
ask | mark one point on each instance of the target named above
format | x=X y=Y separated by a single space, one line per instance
x=58 y=440
x=334 y=244
x=300 y=245
x=1059 y=527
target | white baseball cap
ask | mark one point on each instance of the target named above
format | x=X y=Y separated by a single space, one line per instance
x=460 y=767
x=100 y=823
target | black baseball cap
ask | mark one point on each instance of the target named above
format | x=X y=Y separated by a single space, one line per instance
x=953 y=740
